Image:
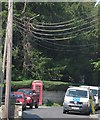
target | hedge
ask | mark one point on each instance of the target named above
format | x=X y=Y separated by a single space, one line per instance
x=47 y=85
x=57 y=86
x=20 y=84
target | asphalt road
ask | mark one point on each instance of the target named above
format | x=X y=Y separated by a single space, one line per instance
x=56 y=113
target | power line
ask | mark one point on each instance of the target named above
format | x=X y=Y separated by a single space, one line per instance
x=55 y=31
x=54 y=38
x=61 y=34
x=61 y=30
x=57 y=38
x=57 y=23
x=55 y=49
x=63 y=25
x=21 y=27
x=45 y=34
x=19 y=23
x=67 y=37
x=61 y=44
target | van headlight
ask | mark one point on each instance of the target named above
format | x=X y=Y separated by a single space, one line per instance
x=65 y=102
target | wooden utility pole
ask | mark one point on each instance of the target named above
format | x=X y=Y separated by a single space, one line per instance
x=9 y=59
x=26 y=46
x=3 y=67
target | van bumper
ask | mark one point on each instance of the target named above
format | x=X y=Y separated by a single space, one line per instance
x=76 y=108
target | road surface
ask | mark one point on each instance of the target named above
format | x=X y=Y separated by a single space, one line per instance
x=56 y=113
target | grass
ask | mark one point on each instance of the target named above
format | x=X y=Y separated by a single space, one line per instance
x=50 y=103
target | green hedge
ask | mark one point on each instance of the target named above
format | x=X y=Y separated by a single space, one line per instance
x=61 y=86
x=20 y=84
x=47 y=85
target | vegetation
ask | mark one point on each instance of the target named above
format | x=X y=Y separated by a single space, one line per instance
x=59 y=44
x=47 y=85
x=50 y=103
x=58 y=86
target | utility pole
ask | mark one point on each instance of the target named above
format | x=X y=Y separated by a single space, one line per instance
x=3 y=66
x=26 y=46
x=9 y=59
x=3 y=71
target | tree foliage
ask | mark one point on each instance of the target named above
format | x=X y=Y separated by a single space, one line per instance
x=62 y=42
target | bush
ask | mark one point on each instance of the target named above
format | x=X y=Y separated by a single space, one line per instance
x=51 y=103
x=48 y=103
x=57 y=86
x=47 y=85
x=15 y=85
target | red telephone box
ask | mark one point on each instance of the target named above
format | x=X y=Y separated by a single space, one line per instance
x=37 y=85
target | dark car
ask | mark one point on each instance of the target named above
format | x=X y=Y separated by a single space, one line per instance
x=20 y=98
x=32 y=97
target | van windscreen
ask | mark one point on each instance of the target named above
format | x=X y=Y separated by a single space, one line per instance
x=94 y=92
x=77 y=93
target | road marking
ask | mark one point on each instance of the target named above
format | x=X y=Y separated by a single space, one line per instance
x=94 y=116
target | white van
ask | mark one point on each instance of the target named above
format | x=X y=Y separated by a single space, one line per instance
x=77 y=100
x=96 y=92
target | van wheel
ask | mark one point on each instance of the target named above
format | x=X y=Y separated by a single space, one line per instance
x=64 y=111
x=88 y=113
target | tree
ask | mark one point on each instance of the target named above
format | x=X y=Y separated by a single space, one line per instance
x=48 y=57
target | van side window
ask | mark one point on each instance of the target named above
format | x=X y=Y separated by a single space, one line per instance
x=90 y=96
x=98 y=93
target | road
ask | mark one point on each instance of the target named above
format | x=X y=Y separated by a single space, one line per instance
x=45 y=113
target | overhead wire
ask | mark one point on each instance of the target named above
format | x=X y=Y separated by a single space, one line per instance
x=54 y=25
x=21 y=27
x=52 y=48
x=63 y=45
x=79 y=30
x=55 y=39
x=59 y=34
x=15 y=17
x=57 y=23
x=62 y=30
x=44 y=34
x=63 y=25
x=60 y=44
x=19 y=23
x=59 y=49
x=65 y=38
x=38 y=37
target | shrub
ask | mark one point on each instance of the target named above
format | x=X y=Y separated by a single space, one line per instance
x=15 y=85
x=47 y=85
x=57 y=86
